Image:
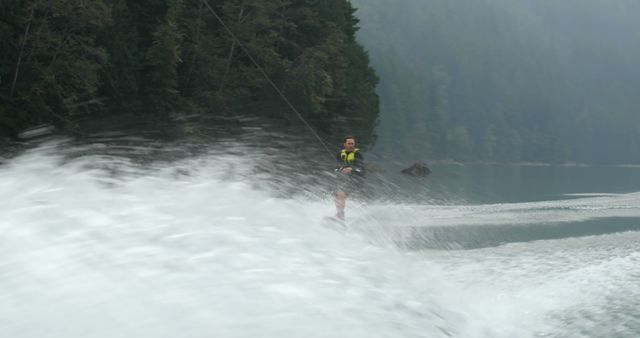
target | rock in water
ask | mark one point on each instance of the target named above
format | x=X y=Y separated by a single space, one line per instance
x=418 y=169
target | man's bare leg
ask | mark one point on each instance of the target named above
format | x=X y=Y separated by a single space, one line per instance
x=340 y=197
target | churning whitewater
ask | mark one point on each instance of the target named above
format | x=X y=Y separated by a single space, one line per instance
x=97 y=245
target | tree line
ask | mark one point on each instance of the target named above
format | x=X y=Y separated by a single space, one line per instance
x=62 y=61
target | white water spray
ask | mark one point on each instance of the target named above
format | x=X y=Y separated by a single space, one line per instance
x=99 y=246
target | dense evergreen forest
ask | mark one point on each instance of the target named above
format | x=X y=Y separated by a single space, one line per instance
x=64 y=61
x=488 y=80
x=506 y=80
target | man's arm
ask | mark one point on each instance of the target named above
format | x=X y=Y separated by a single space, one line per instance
x=358 y=164
x=338 y=166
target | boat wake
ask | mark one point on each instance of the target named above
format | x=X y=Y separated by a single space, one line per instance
x=99 y=244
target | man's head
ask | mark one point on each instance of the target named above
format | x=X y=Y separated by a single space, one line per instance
x=349 y=143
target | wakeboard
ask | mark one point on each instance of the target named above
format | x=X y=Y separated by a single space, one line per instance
x=332 y=222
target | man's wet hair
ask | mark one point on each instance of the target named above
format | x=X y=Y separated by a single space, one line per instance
x=348 y=137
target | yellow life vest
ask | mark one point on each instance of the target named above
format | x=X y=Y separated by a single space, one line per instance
x=348 y=158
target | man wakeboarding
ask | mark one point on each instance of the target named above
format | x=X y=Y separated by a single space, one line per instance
x=350 y=167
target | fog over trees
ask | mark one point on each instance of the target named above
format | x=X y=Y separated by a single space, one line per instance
x=505 y=80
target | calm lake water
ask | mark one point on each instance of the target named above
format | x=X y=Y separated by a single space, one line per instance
x=122 y=236
x=514 y=183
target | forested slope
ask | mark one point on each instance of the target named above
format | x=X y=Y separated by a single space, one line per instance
x=63 y=61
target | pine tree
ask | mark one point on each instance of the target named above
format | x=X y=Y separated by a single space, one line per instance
x=161 y=94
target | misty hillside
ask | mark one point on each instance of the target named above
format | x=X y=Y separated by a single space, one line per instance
x=506 y=81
